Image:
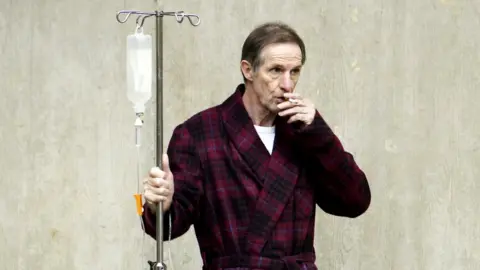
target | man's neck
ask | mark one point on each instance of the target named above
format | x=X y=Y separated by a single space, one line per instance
x=260 y=115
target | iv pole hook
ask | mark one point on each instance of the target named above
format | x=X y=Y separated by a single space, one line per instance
x=140 y=25
x=194 y=19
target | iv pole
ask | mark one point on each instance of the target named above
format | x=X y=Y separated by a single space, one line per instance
x=179 y=16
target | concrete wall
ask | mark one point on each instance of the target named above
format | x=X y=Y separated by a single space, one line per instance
x=398 y=80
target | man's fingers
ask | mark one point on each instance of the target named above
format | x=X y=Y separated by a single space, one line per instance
x=285 y=105
x=152 y=193
x=166 y=163
x=294 y=118
x=158 y=186
x=292 y=111
x=154 y=198
x=157 y=182
x=158 y=191
x=290 y=104
x=155 y=172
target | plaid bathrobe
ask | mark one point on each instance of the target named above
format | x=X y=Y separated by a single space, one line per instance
x=250 y=209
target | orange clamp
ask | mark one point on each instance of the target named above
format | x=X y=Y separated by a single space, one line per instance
x=138 y=199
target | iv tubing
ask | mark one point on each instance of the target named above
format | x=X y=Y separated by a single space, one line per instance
x=138 y=196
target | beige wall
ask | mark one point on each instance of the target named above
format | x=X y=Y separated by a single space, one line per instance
x=398 y=80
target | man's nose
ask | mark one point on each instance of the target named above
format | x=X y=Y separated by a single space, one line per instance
x=286 y=82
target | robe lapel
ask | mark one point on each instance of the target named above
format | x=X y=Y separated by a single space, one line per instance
x=277 y=173
x=243 y=135
x=280 y=180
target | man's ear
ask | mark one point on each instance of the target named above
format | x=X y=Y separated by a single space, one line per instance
x=247 y=70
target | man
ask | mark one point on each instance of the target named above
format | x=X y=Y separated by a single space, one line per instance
x=248 y=172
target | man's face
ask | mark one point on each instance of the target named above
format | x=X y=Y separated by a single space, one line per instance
x=277 y=74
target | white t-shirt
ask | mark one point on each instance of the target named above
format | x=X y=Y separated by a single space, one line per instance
x=267 y=134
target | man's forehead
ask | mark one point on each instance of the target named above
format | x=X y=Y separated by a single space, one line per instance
x=282 y=53
x=282 y=59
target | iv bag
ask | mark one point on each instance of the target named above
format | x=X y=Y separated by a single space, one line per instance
x=139 y=69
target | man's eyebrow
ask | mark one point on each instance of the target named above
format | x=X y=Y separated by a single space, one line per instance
x=276 y=64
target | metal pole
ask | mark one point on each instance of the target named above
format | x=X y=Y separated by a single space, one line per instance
x=159 y=121
x=159 y=14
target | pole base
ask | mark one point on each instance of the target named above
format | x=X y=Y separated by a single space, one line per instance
x=157 y=266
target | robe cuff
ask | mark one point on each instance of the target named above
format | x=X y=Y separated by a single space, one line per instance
x=150 y=221
x=317 y=134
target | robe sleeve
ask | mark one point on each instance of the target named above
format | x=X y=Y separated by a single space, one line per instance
x=188 y=189
x=341 y=187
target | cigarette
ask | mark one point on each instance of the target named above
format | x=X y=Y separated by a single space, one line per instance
x=292 y=100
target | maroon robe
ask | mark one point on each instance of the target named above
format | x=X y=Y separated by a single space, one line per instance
x=250 y=209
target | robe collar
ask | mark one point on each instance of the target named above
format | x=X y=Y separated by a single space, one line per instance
x=276 y=173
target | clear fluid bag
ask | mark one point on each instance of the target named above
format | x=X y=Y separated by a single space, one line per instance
x=139 y=69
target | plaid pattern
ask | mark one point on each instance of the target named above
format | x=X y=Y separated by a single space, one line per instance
x=251 y=210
